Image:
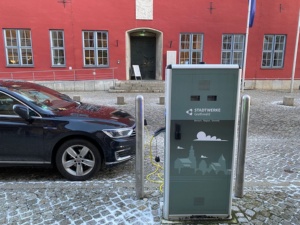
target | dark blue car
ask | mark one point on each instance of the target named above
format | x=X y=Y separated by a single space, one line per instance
x=40 y=126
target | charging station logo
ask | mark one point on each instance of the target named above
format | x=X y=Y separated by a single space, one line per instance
x=203 y=111
x=190 y=112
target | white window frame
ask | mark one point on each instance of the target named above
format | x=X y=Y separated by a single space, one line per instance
x=58 y=55
x=191 y=49
x=233 y=49
x=96 y=47
x=273 y=51
x=19 y=43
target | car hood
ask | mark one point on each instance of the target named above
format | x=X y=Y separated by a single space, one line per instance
x=90 y=111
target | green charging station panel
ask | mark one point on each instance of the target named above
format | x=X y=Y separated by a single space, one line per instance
x=201 y=119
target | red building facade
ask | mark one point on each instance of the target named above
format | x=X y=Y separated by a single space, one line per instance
x=112 y=35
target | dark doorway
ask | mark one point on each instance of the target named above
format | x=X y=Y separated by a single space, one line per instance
x=143 y=50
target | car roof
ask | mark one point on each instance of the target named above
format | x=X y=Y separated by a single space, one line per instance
x=16 y=83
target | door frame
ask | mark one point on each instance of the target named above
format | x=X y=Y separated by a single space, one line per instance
x=158 y=55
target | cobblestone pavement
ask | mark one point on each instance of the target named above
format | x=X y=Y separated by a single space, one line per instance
x=271 y=189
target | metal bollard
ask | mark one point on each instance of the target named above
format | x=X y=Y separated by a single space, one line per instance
x=242 y=143
x=139 y=158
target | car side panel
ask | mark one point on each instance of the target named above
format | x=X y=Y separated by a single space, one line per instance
x=21 y=140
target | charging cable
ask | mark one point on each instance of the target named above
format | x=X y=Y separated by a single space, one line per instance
x=158 y=168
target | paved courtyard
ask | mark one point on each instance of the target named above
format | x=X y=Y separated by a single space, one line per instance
x=271 y=189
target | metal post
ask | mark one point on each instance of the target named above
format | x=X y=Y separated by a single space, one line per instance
x=139 y=158
x=246 y=44
x=242 y=143
x=295 y=54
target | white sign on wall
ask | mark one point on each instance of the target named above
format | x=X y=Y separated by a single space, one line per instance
x=171 y=57
x=144 y=9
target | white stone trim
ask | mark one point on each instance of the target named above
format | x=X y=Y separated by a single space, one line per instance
x=271 y=84
x=144 y=9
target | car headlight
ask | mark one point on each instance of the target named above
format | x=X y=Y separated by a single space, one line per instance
x=118 y=133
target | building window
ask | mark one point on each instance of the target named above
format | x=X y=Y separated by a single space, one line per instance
x=233 y=46
x=273 y=51
x=191 y=48
x=18 y=47
x=95 y=48
x=57 y=48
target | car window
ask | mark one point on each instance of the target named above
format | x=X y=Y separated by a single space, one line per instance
x=41 y=96
x=47 y=100
x=6 y=104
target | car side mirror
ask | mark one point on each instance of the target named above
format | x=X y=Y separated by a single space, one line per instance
x=22 y=111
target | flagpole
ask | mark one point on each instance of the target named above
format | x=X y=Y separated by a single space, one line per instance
x=295 y=54
x=246 y=45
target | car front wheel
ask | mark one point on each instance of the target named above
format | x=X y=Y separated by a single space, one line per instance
x=78 y=160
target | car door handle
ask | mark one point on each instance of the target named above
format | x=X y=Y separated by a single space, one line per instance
x=50 y=128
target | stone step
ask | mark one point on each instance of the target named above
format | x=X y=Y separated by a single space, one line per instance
x=138 y=86
x=148 y=84
x=135 y=91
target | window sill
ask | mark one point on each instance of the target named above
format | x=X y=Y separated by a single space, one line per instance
x=271 y=68
x=19 y=66
x=60 y=66
x=106 y=66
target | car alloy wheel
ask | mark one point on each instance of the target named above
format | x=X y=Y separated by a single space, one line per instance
x=78 y=160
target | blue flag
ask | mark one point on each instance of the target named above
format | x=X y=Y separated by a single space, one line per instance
x=252 y=12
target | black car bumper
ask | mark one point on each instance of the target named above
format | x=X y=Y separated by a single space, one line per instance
x=120 y=150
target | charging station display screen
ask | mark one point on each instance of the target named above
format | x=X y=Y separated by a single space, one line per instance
x=201 y=123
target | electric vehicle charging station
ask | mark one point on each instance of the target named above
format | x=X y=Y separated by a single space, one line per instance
x=201 y=122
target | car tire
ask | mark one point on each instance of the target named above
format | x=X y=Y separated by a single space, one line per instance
x=78 y=160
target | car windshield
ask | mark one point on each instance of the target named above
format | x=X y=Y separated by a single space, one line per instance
x=44 y=97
